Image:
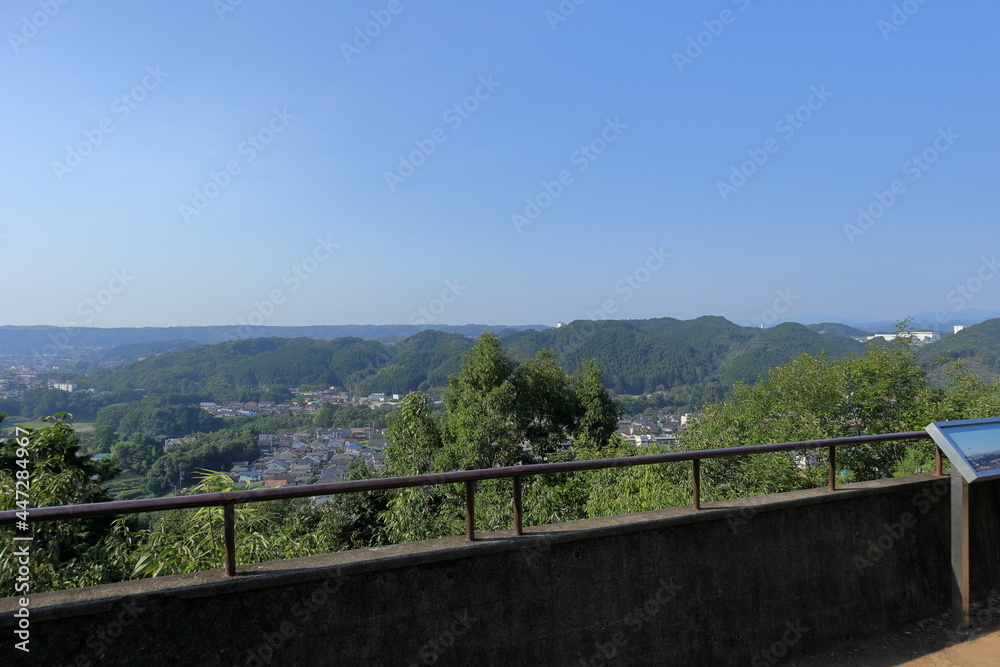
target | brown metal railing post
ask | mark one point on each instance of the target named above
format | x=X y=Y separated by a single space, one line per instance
x=229 y=516
x=938 y=464
x=470 y=511
x=518 y=530
x=697 y=485
x=832 y=483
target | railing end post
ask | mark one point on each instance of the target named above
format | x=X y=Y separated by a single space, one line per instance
x=229 y=518
x=518 y=527
x=470 y=511
x=832 y=475
x=696 y=490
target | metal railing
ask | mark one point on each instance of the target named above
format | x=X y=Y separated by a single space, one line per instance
x=229 y=499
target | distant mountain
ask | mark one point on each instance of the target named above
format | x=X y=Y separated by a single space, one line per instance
x=23 y=340
x=688 y=356
x=780 y=344
x=935 y=320
x=978 y=344
x=136 y=351
x=246 y=367
x=420 y=362
x=838 y=329
x=690 y=360
x=638 y=356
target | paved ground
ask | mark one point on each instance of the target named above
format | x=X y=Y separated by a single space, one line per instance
x=929 y=643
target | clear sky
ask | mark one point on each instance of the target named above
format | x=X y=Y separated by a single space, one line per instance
x=209 y=163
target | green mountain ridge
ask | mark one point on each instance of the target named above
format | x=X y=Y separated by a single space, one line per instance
x=685 y=363
x=43 y=339
x=692 y=361
x=978 y=345
x=837 y=328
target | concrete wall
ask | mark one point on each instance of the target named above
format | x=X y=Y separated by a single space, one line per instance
x=744 y=583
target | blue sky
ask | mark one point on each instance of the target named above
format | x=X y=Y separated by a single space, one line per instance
x=206 y=162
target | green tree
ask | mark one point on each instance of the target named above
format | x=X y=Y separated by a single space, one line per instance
x=600 y=413
x=346 y=521
x=413 y=438
x=191 y=540
x=64 y=553
x=807 y=399
x=486 y=418
x=324 y=417
x=498 y=413
x=549 y=409
x=136 y=455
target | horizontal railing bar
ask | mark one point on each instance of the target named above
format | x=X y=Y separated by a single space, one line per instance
x=118 y=507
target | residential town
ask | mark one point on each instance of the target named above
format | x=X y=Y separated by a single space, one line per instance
x=310 y=456
x=322 y=455
x=304 y=402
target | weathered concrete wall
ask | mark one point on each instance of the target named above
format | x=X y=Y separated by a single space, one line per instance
x=748 y=583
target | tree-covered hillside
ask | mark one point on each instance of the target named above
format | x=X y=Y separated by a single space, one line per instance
x=33 y=340
x=694 y=360
x=686 y=362
x=420 y=362
x=247 y=369
x=781 y=344
x=136 y=351
x=839 y=329
x=978 y=344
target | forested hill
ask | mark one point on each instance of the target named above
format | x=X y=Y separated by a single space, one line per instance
x=837 y=328
x=692 y=360
x=248 y=368
x=22 y=340
x=978 y=345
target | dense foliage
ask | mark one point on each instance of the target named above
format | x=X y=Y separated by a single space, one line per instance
x=55 y=472
x=978 y=346
x=84 y=406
